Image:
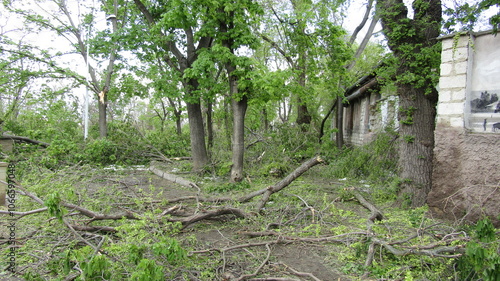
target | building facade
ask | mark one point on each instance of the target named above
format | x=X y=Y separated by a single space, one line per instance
x=466 y=172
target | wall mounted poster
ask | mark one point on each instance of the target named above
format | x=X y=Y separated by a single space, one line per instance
x=484 y=92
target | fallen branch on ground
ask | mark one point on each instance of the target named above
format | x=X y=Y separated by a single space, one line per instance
x=288 y=179
x=25 y=139
x=209 y=215
x=172 y=178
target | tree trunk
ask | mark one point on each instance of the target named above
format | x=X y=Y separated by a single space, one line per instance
x=177 y=115
x=265 y=120
x=239 y=111
x=303 y=115
x=103 y=123
x=196 y=129
x=416 y=144
x=413 y=42
x=340 y=123
x=210 y=126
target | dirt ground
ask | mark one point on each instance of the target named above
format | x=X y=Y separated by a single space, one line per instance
x=314 y=259
x=290 y=260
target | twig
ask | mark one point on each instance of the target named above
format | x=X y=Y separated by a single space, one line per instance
x=300 y=274
x=264 y=262
x=307 y=206
x=79 y=236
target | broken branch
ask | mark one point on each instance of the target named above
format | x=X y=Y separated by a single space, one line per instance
x=288 y=179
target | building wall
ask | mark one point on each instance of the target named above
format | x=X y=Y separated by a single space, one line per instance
x=466 y=178
x=367 y=116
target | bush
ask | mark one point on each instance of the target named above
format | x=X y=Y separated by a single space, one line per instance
x=376 y=162
x=101 y=151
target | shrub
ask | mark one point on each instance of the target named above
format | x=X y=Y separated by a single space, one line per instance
x=101 y=151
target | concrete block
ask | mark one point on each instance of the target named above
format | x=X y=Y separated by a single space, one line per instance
x=457 y=122
x=445 y=96
x=446 y=69
x=460 y=67
x=455 y=55
x=443 y=120
x=450 y=82
x=458 y=95
x=450 y=108
x=450 y=43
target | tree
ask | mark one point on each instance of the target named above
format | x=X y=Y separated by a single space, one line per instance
x=233 y=21
x=179 y=30
x=26 y=70
x=56 y=17
x=416 y=60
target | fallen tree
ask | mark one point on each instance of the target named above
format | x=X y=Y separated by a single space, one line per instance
x=24 y=139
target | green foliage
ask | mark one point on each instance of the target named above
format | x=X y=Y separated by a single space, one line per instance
x=409 y=138
x=170 y=249
x=466 y=16
x=373 y=162
x=148 y=270
x=407 y=115
x=52 y=201
x=102 y=151
x=481 y=259
x=96 y=268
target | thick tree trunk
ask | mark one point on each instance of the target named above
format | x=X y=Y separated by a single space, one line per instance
x=303 y=116
x=197 y=134
x=414 y=44
x=239 y=111
x=416 y=144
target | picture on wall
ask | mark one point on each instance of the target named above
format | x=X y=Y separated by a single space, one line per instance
x=483 y=95
x=485 y=111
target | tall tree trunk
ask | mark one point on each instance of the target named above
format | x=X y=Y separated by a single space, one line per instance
x=416 y=144
x=210 y=126
x=197 y=134
x=303 y=115
x=103 y=105
x=264 y=119
x=239 y=111
x=196 y=129
x=417 y=51
x=177 y=115
x=239 y=108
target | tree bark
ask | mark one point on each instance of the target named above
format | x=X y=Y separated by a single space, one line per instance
x=416 y=144
x=340 y=123
x=25 y=139
x=239 y=111
x=197 y=135
x=103 y=124
x=415 y=46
